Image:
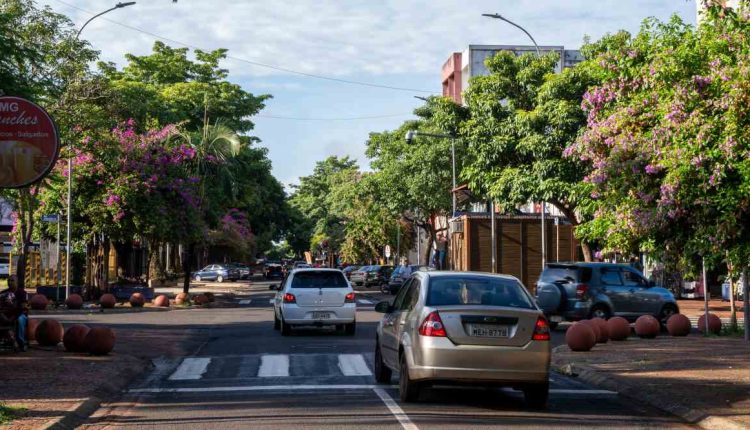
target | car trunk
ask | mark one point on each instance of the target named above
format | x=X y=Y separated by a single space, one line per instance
x=488 y=325
x=320 y=296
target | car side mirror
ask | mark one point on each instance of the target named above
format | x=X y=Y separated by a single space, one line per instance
x=383 y=307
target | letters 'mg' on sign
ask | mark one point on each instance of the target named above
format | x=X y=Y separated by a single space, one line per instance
x=29 y=143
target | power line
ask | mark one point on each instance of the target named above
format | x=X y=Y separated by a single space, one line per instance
x=353 y=118
x=256 y=63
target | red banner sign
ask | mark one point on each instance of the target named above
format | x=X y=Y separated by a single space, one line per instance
x=29 y=143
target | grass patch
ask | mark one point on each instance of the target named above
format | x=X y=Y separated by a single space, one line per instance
x=9 y=413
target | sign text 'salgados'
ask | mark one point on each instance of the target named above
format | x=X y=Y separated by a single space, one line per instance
x=29 y=143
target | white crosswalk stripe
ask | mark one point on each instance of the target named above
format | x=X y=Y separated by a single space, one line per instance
x=353 y=365
x=191 y=368
x=274 y=365
x=364 y=302
x=245 y=302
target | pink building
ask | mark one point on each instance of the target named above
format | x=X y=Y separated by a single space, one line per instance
x=452 y=77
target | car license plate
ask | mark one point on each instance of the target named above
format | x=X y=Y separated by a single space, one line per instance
x=489 y=330
x=321 y=315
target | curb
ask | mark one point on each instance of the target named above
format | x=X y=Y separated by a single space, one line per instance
x=77 y=415
x=697 y=417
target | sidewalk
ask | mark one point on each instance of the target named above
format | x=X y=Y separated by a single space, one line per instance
x=54 y=386
x=706 y=381
x=694 y=308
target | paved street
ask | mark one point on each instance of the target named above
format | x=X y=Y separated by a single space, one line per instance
x=247 y=376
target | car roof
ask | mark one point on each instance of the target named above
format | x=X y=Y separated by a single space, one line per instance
x=476 y=275
x=313 y=269
x=586 y=264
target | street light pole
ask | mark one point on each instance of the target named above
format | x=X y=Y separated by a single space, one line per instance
x=68 y=247
x=544 y=203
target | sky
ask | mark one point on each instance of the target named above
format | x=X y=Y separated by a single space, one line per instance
x=401 y=44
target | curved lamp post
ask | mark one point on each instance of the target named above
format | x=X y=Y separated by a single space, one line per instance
x=538 y=54
x=70 y=164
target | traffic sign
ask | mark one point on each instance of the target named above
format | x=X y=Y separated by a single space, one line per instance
x=387 y=251
x=51 y=218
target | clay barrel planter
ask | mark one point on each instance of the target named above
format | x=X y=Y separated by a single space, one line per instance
x=210 y=296
x=200 y=300
x=74 y=302
x=714 y=323
x=594 y=326
x=100 y=341
x=161 y=301
x=618 y=328
x=107 y=301
x=38 y=302
x=678 y=325
x=182 y=298
x=137 y=300
x=580 y=337
x=74 y=338
x=31 y=327
x=647 y=327
x=49 y=333
x=604 y=331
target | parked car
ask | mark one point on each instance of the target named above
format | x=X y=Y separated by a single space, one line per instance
x=4 y=268
x=314 y=297
x=301 y=265
x=575 y=291
x=348 y=270
x=273 y=271
x=400 y=275
x=369 y=276
x=217 y=272
x=463 y=328
x=244 y=270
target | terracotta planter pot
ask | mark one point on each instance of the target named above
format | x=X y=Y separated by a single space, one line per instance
x=679 y=325
x=100 y=341
x=647 y=327
x=210 y=296
x=38 y=302
x=618 y=328
x=107 y=301
x=137 y=300
x=714 y=323
x=603 y=330
x=31 y=327
x=162 y=301
x=74 y=338
x=49 y=332
x=74 y=302
x=580 y=337
x=182 y=298
x=594 y=326
x=200 y=300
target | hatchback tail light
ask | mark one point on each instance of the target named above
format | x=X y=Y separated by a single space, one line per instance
x=541 y=329
x=349 y=298
x=432 y=326
x=582 y=291
x=289 y=298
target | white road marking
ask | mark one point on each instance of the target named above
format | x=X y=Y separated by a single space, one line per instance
x=191 y=368
x=272 y=365
x=271 y=301
x=245 y=302
x=252 y=388
x=395 y=409
x=353 y=365
x=365 y=302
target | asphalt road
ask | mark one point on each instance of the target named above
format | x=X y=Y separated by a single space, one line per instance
x=245 y=375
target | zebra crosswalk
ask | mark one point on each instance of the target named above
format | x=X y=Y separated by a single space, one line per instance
x=272 y=368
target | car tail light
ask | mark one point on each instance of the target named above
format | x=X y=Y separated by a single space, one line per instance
x=349 y=298
x=289 y=298
x=432 y=326
x=541 y=329
x=581 y=291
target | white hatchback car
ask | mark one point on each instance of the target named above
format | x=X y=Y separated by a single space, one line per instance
x=314 y=297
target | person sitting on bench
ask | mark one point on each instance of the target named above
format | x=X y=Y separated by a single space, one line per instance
x=14 y=307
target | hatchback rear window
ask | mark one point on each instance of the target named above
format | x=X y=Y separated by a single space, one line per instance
x=448 y=291
x=560 y=273
x=319 y=280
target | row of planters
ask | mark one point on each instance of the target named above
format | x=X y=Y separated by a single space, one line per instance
x=584 y=335
x=137 y=300
x=77 y=338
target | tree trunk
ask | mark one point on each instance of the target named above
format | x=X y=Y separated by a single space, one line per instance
x=570 y=214
x=187 y=263
x=431 y=237
x=26 y=215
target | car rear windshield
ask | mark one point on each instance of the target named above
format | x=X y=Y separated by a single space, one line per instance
x=566 y=273
x=448 y=291
x=322 y=279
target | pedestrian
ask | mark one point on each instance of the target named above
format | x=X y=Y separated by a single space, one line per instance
x=15 y=303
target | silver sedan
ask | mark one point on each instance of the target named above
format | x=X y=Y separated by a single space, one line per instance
x=464 y=328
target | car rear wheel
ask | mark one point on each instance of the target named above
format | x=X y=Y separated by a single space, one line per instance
x=286 y=329
x=384 y=288
x=666 y=312
x=276 y=322
x=382 y=372
x=219 y=279
x=408 y=390
x=600 y=311
x=197 y=278
x=350 y=329
x=536 y=395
